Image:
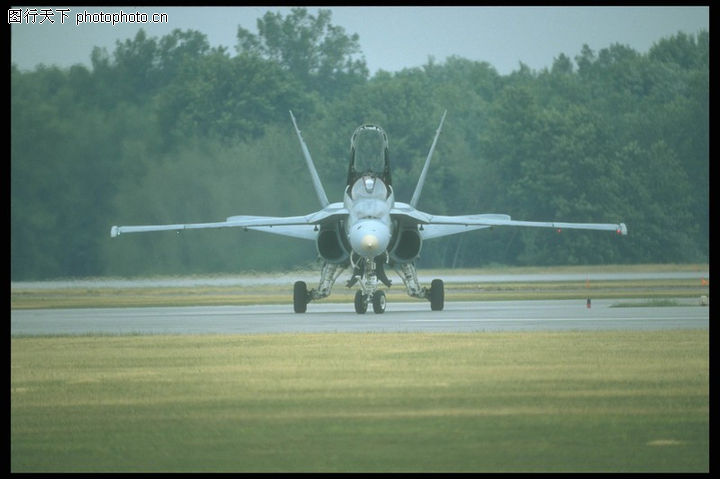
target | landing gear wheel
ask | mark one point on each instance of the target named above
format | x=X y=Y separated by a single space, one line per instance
x=437 y=295
x=300 y=297
x=361 y=303
x=378 y=301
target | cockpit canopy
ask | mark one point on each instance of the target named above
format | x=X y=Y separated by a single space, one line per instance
x=369 y=154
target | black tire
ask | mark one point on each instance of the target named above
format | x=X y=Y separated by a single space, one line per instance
x=378 y=301
x=300 y=297
x=437 y=295
x=360 y=303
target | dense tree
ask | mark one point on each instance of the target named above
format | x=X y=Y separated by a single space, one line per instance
x=318 y=54
x=164 y=130
x=226 y=98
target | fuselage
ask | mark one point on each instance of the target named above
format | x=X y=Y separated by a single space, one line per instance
x=368 y=195
x=368 y=227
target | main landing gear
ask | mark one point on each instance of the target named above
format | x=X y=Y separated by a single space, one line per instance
x=300 y=297
x=436 y=295
x=368 y=273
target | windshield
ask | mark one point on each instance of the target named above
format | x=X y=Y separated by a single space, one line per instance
x=368 y=144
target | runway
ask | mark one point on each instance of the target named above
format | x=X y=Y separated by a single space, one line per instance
x=461 y=316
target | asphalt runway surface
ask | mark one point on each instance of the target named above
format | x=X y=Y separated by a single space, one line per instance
x=461 y=316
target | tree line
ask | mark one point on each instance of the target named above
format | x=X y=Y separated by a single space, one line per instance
x=172 y=130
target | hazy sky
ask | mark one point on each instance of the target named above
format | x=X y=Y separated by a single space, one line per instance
x=391 y=38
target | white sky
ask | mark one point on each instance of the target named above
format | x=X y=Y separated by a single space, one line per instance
x=391 y=38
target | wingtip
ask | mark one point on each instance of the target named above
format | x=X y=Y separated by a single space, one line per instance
x=114 y=232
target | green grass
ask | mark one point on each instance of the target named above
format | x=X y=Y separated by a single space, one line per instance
x=570 y=401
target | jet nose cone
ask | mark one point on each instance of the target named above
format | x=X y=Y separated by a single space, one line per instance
x=370 y=243
x=369 y=238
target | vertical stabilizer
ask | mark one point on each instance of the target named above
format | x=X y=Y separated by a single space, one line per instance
x=423 y=174
x=319 y=190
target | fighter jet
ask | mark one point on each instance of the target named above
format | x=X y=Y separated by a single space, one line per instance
x=369 y=231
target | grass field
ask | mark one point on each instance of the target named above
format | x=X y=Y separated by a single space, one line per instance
x=571 y=401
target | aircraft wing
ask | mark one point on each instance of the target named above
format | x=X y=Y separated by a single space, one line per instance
x=435 y=226
x=295 y=226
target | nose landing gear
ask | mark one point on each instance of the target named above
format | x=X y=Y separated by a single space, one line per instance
x=378 y=302
x=369 y=293
x=377 y=299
